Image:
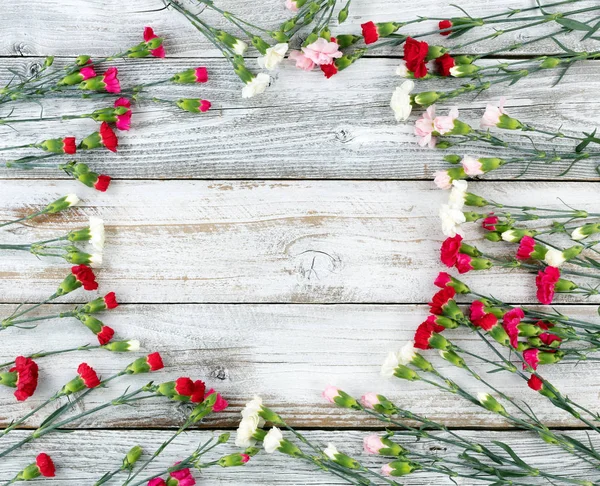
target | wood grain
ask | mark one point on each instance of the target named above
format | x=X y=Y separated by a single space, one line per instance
x=87 y=455
x=347 y=132
x=265 y=241
x=285 y=353
x=108 y=26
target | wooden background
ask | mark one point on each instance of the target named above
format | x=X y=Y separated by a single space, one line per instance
x=272 y=246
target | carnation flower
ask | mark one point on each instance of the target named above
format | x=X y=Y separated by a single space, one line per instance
x=535 y=383
x=88 y=375
x=220 y=403
x=490 y=222
x=402 y=70
x=511 y=320
x=102 y=182
x=427 y=328
x=401 y=102
x=545 y=282
x=445 y=124
x=554 y=257
x=257 y=85
x=291 y=5
x=463 y=263
x=331 y=393
x=444 y=64
x=531 y=357
x=43 y=466
x=370 y=399
x=424 y=128
x=450 y=249
x=442 y=179
x=415 y=54
x=445 y=24
x=152 y=362
x=85 y=277
x=148 y=36
x=390 y=364
x=124 y=119
x=456 y=199
x=302 y=62
x=23 y=376
x=369 y=32
x=273 y=56
x=372 y=444
x=472 y=166
x=451 y=220
x=97 y=235
x=183 y=477
x=322 y=51
x=491 y=117
x=272 y=440
x=248 y=427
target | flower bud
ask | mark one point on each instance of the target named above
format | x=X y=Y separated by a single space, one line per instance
x=461 y=60
x=346 y=40
x=584 y=231
x=62 y=203
x=463 y=70
x=491 y=163
x=508 y=123
x=490 y=403
x=550 y=63
x=426 y=98
x=405 y=373
x=399 y=468
x=572 y=252
x=434 y=52
x=93 y=324
x=437 y=341
x=564 y=285
x=471 y=217
x=132 y=457
x=194 y=105
x=234 y=460
x=475 y=200
x=516 y=235
x=452 y=358
x=453 y=159
x=123 y=346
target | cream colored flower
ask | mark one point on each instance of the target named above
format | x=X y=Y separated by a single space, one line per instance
x=273 y=56
x=257 y=85
x=272 y=440
x=400 y=102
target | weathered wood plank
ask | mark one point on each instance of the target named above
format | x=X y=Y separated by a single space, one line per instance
x=107 y=26
x=347 y=132
x=285 y=353
x=264 y=241
x=87 y=455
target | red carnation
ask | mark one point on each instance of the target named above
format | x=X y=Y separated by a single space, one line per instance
x=526 y=248
x=110 y=300
x=111 y=81
x=201 y=75
x=105 y=335
x=329 y=69
x=198 y=392
x=155 y=362
x=157 y=482
x=490 y=223
x=148 y=36
x=124 y=120
x=510 y=322
x=369 y=32
x=415 y=53
x=450 y=249
x=442 y=280
x=88 y=375
x=27 y=377
x=245 y=458
x=85 y=276
x=425 y=331
x=487 y=322
x=440 y=299
x=549 y=339
x=108 y=137
x=545 y=282
x=445 y=24
x=463 y=263
x=444 y=64
x=102 y=183
x=477 y=310
x=184 y=386
x=183 y=476
x=220 y=403
x=535 y=383
x=45 y=465
x=69 y=146
x=531 y=357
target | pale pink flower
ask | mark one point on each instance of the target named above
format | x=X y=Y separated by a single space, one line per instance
x=370 y=399
x=302 y=62
x=442 y=179
x=322 y=51
x=424 y=128
x=445 y=124
x=330 y=393
x=386 y=470
x=472 y=166
x=372 y=444
x=291 y=5
x=492 y=114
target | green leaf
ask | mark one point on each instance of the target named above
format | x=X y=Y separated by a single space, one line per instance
x=573 y=24
x=563 y=47
x=592 y=31
x=511 y=453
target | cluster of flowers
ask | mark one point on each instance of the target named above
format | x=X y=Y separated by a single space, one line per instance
x=81 y=75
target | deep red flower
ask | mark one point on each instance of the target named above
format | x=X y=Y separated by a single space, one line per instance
x=110 y=300
x=329 y=69
x=45 y=465
x=201 y=75
x=449 y=250
x=105 y=335
x=463 y=263
x=545 y=282
x=111 y=81
x=102 y=183
x=425 y=331
x=69 y=146
x=184 y=477
x=88 y=375
x=184 y=386
x=220 y=404
x=487 y=322
x=245 y=458
x=440 y=299
x=155 y=362
x=531 y=357
x=157 y=482
x=85 y=276
x=490 y=223
x=442 y=280
x=445 y=24
x=526 y=248
x=148 y=36
x=415 y=53
x=27 y=377
x=369 y=32
x=548 y=338
x=198 y=392
x=108 y=137
x=444 y=64
x=477 y=310
x=535 y=383
x=510 y=322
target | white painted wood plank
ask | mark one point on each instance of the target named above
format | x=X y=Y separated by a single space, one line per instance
x=103 y=27
x=347 y=131
x=87 y=455
x=285 y=353
x=264 y=241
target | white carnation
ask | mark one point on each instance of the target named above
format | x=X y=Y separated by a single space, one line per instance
x=331 y=451
x=273 y=56
x=272 y=440
x=451 y=220
x=554 y=257
x=257 y=85
x=97 y=233
x=390 y=364
x=400 y=101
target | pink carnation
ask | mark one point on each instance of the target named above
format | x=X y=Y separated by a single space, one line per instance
x=442 y=179
x=424 y=128
x=492 y=115
x=302 y=62
x=472 y=166
x=322 y=51
x=372 y=444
